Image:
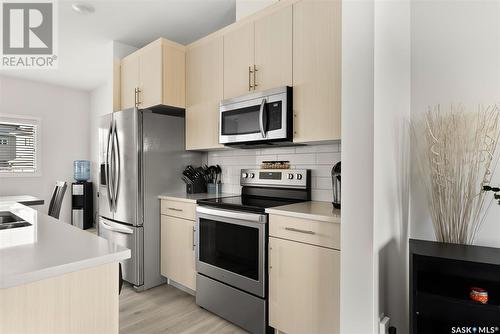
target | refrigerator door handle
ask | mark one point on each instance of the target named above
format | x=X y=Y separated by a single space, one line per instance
x=107 y=167
x=117 y=229
x=117 y=166
x=112 y=167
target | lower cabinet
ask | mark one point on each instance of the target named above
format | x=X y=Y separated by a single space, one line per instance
x=304 y=287
x=177 y=250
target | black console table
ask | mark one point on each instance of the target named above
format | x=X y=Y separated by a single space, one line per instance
x=441 y=276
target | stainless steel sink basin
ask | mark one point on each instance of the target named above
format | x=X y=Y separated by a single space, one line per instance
x=10 y=220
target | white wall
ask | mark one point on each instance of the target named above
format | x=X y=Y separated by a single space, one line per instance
x=248 y=7
x=318 y=158
x=455 y=58
x=357 y=315
x=376 y=82
x=64 y=115
x=391 y=153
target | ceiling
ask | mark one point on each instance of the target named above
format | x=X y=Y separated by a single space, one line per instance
x=83 y=38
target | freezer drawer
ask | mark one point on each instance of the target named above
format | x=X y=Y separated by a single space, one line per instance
x=132 y=238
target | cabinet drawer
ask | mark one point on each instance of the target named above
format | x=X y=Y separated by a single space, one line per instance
x=178 y=209
x=307 y=231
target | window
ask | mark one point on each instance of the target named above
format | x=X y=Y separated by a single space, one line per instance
x=18 y=146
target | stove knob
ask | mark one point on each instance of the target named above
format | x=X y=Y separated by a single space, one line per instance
x=299 y=176
x=290 y=176
x=252 y=175
x=244 y=175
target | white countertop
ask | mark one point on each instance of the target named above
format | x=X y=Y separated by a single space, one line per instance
x=313 y=210
x=23 y=199
x=49 y=247
x=192 y=198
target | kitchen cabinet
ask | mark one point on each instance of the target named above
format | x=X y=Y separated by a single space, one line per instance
x=304 y=275
x=273 y=50
x=177 y=243
x=153 y=76
x=129 y=80
x=238 y=61
x=204 y=92
x=258 y=54
x=316 y=70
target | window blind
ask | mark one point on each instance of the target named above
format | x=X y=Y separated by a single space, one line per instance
x=18 y=148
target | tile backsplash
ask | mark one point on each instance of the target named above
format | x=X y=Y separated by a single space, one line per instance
x=318 y=158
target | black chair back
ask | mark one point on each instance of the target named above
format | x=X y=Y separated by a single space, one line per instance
x=57 y=198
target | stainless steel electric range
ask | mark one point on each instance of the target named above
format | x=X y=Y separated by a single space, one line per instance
x=231 y=245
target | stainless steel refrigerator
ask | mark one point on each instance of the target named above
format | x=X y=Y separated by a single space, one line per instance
x=142 y=154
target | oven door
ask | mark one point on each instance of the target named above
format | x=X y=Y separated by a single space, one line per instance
x=264 y=116
x=230 y=247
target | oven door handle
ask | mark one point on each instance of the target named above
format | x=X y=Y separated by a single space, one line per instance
x=232 y=214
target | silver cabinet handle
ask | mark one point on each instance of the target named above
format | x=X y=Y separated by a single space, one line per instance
x=250 y=86
x=254 y=77
x=137 y=97
x=261 y=118
x=299 y=230
x=116 y=229
x=194 y=232
x=175 y=209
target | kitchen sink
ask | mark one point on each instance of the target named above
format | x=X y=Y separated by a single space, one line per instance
x=9 y=220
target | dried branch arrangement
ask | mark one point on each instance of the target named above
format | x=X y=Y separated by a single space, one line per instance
x=456 y=153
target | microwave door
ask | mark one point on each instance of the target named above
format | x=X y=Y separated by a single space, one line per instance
x=261 y=118
x=241 y=124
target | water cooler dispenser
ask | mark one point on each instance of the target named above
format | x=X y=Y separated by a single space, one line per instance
x=82 y=196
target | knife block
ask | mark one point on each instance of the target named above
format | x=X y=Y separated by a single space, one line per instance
x=199 y=186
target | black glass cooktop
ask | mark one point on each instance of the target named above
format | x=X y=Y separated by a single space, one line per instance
x=247 y=203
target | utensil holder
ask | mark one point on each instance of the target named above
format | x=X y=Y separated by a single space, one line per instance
x=214 y=188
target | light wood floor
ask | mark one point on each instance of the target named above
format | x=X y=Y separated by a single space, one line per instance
x=166 y=309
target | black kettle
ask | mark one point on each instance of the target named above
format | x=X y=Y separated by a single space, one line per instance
x=336 y=185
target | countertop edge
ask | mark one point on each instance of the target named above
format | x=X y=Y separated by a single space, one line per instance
x=178 y=199
x=46 y=273
x=302 y=215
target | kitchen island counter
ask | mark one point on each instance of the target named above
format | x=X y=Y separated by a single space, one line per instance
x=49 y=247
x=56 y=278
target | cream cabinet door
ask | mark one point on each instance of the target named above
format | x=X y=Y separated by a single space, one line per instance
x=177 y=250
x=150 y=75
x=273 y=50
x=238 y=59
x=204 y=91
x=316 y=70
x=129 y=80
x=174 y=74
x=304 y=288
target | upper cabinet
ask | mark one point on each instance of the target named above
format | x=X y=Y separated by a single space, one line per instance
x=273 y=50
x=316 y=70
x=129 y=80
x=258 y=54
x=204 y=92
x=238 y=61
x=153 y=76
x=291 y=43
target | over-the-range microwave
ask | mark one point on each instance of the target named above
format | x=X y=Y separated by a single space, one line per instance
x=261 y=118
